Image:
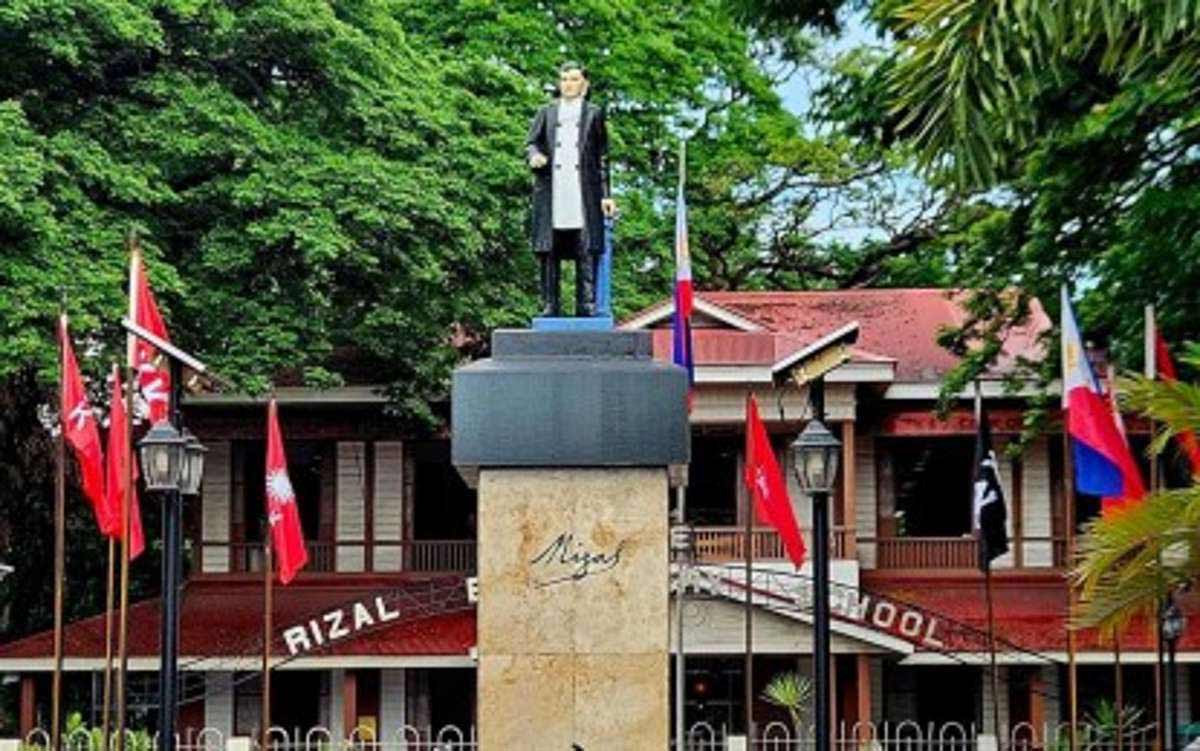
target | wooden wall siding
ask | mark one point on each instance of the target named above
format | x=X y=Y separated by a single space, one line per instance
x=389 y=507
x=215 y=508
x=723 y=631
x=865 y=503
x=1036 y=518
x=218 y=693
x=351 y=504
x=727 y=404
x=1006 y=487
x=391 y=703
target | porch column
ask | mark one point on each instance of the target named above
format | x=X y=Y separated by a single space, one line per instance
x=862 y=664
x=392 y=699
x=849 y=492
x=28 y=704
x=337 y=728
x=1037 y=705
x=349 y=702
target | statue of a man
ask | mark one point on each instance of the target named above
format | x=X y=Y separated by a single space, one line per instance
x=567 y=150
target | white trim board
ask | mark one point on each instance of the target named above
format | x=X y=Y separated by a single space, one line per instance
x=204 y=664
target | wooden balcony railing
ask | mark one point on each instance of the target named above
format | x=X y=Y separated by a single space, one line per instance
x=950 y=552
x=424 y=556
x=726 y=544
x=721 y=544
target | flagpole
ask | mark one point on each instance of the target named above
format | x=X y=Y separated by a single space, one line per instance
x=680 y=582
x=749 y=605
x=987 y=585
x=1069 y=487
x=108 y=641
x=60 y=512
x=268 y=607
x=1150 y=365
x=131 y=242
x=1120 y=688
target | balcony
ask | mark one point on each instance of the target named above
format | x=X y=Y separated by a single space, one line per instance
x=954 y=552
x=725 y=544
x=382 y=556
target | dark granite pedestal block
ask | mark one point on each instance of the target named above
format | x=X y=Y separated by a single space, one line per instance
x=569 y=399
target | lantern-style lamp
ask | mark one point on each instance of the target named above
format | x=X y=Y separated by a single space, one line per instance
x=162 y=451
x=193 y=464
x=1173 y=622
x=815 y=455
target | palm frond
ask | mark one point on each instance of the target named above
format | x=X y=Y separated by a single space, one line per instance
x=1129 y=559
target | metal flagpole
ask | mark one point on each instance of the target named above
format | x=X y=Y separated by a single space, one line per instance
x=680 y=584
x=1120 y=688
x=268 y=607
x=108 y=641
x=1072 y=682
x=60 y=512
x=1150 y=366
x=749 y=607
x=126 y=498
x=987 y=585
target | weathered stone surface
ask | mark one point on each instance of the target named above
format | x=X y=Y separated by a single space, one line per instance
x=573 y=597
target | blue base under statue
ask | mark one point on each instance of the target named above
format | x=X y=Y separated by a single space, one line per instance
x=565 y=323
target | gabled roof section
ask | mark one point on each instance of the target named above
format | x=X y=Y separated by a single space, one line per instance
x=662 y=312
x=898 y=330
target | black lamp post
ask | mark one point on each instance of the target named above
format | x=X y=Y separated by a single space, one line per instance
x=816 y=452
x=173 y=465
x=1173 y=623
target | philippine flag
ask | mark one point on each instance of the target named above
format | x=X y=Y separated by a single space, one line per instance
x=1104 y=465
x=682 y=334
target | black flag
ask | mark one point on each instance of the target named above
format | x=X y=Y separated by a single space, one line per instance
x=991 y=516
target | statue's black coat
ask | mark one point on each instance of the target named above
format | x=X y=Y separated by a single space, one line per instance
x=593 y=153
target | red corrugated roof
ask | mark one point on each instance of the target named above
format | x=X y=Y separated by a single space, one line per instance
x=224 y=618
x=896 y=324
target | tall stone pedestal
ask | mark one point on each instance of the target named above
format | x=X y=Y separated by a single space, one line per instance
x=572 y=439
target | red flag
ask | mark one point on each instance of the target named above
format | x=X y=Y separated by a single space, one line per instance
x=79 y=429
x=154 y=382
x=118 y=475
x=1163 y=364
x=765 y=482
x=287 y=537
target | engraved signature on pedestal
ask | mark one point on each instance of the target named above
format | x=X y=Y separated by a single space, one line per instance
x=566 y=552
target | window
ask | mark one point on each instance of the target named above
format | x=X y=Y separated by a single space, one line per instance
x=306 y=467
x=929 y=485
x=713 y=480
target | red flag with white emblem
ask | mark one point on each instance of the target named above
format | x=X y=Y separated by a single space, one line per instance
x=287 y=536
x=118 y=472
x=765 y=482
x=154 y=382
x=80 y=431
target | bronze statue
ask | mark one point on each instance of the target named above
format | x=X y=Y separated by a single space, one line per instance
x=567 y=149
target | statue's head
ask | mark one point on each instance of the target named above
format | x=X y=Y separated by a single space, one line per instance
x=572 y=80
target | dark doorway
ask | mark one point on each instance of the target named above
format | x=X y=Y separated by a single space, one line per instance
x=948 y=694
x=713 y=479
x=305 y=460
x=451 y=698
x=445 y=506
x=932 y=485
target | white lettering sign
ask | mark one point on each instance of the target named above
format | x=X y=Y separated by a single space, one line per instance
x=337 y=624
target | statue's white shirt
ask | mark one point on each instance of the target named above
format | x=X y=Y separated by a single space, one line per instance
x=568 y=189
